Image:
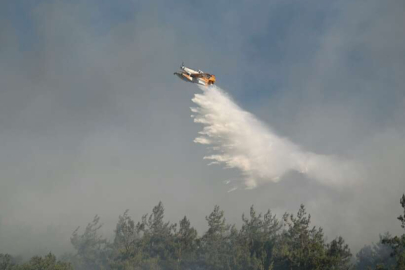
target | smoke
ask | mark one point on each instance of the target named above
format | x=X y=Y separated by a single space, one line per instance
x=238 y=140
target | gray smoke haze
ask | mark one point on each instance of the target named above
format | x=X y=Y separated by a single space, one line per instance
x=92 y=121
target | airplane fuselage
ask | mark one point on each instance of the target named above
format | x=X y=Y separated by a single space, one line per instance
x=185 y=77
x=193 y=76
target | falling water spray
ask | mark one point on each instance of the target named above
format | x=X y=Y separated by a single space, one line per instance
x=237 y=139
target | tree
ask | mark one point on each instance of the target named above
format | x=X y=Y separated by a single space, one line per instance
x=302 y=247
x=214 y=252
x=338 y=255
x=158 y=239
x=127 y=250
x=48 y=262
x=91 y=248
x=186 y=244
x=259 y=234
x=260 y=244
x=6 y=262
x=126 y=235
x=397 y=243
x=375 y=255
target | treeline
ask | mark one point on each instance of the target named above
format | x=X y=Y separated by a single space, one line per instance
x=263 y=242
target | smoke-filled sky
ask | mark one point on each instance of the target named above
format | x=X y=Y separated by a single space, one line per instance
x=92 y=120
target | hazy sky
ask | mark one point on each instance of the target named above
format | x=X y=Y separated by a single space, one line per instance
x=92 y=120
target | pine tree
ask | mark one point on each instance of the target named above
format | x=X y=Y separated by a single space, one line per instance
x=397 y=243
x=6 y=262
x=47 y=262
x=91 y=248
x=214 y=252
x=159 y=238
x=300 y=247
x=259 y=234
x=186 y=244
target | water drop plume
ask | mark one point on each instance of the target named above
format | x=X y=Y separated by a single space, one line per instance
x=237 y=139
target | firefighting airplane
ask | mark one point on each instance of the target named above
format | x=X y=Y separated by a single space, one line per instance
x=194 y=76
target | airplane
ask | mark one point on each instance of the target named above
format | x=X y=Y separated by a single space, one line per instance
x=195 y=76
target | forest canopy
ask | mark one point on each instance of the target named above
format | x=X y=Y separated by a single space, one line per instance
x=263 y=242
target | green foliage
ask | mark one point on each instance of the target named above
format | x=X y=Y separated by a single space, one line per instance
x=127 y=249
x=338 y=255
x=215 y=244
x=302 y=247
x=402 y=217
x=397 y=243
x=47 y=262
x=150 y=244
x=91 y=248
x=258 y=235
x=263 y=242
x=159 y=238
x=6 y=262
x=186 y=244
x=375 y=255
